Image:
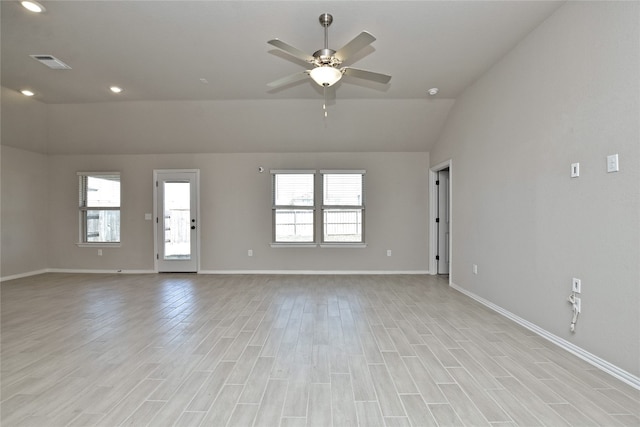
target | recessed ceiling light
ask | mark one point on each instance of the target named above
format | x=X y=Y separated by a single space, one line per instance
x=433 y=91
x=115 y=89
x=32 y=6
x=27 y=92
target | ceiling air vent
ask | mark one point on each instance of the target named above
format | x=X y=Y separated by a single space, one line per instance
x=51 y=62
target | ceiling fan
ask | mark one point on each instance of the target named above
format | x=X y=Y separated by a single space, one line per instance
x=327 y=63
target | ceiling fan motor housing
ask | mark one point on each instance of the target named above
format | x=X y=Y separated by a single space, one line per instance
x=324 y=57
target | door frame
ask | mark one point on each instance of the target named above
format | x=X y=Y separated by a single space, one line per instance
x=156 y=223
x=433 y=214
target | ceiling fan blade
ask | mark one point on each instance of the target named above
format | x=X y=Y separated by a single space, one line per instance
x=361 y=41
x=289 y=79
x=291 y=50
x=369 y=75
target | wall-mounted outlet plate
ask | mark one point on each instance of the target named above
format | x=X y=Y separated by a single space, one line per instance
x=578 y=305
x=388 y=252
x=475 y=269
x=250 y=252
x=612 y=163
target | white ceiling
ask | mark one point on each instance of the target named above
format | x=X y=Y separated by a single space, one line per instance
x=160 y=50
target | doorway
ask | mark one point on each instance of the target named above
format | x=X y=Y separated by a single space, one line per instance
x=176 y=210
x=442 y=221
x=440 y=212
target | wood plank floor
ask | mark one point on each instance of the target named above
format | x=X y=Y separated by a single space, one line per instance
x=190 y=350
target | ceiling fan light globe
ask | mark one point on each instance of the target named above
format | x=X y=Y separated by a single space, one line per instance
x=325 y=76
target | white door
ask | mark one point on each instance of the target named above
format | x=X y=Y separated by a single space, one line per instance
x=443 y=221
x=177 y=228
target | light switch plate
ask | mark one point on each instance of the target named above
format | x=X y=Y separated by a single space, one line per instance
x=576 y=285
x=575 y=170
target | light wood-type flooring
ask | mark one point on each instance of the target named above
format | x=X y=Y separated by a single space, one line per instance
x=259 y=350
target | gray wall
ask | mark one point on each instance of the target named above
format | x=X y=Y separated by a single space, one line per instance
x=40 y=216
x=24 y=214
x=23 y=177
x=568 y=93
x=236 y=211
x=25 y=122
x=245 y=126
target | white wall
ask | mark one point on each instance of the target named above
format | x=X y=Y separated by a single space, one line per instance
x=236 y=212
x=568 y=93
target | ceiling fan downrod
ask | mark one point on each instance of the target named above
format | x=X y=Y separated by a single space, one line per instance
x=325 y=20
x=326 y=56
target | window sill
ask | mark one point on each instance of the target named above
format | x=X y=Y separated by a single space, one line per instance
x=99 y=245
x=293 y=245
x=343 y=245
x=322 y=245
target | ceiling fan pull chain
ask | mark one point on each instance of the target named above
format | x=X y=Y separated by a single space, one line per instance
x=324 y=106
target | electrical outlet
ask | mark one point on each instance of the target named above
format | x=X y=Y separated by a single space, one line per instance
x=576 y=285
x=250 y=252
x=99 y=252
x=388 y=252
x=475 y=269
x=578 y=305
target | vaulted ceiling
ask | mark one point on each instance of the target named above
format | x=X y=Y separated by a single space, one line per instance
x=176 y=53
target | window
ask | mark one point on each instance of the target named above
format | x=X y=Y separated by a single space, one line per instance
x=342 y=206
x=99 y=207
x=293 y=207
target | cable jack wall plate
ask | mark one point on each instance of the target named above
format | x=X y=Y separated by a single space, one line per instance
x=612 y=163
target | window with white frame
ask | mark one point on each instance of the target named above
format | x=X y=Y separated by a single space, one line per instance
x=293 y=206
x=340 y=195
x=342 y=206
x=99 y=207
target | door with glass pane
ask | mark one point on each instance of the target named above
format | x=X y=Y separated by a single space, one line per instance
x=177 y=221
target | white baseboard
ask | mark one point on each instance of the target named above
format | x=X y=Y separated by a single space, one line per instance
x=314 y=272
x=83 y=271
x=594 y=360
x=220 y=272
x=21 y=275
x=73 y=270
